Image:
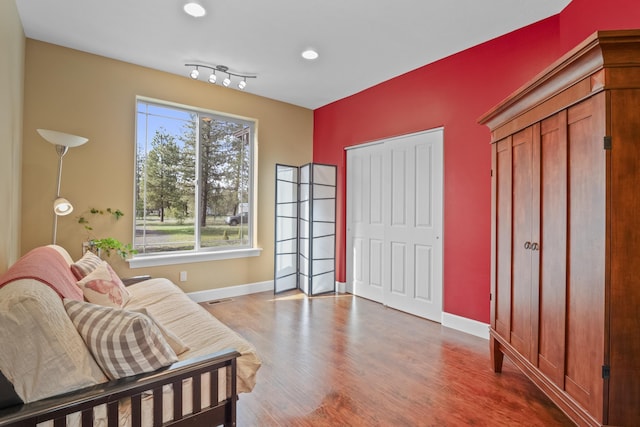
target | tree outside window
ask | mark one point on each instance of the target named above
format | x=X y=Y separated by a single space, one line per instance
x=193 y=169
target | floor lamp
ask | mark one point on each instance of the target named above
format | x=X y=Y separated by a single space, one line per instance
x=62 y=141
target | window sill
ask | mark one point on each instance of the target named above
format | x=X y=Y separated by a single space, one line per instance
x=184 y=258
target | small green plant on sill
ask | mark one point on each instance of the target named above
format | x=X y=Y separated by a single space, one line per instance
x=106 y=245
x=109 y=244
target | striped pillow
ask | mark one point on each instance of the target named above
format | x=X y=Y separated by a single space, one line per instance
x=177 y=345
x=85 y=265
x=124 y=343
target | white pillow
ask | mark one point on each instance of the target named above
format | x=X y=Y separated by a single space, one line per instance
x=42 y=353
x=124 y=343
x=103 y=287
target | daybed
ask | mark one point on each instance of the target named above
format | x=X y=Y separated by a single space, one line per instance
x=183 y=366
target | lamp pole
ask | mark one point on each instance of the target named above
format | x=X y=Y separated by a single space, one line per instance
x=61 y=150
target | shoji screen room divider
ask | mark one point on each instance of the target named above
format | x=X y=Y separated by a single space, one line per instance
x=305 y=229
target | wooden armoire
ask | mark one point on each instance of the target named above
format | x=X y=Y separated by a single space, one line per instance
x=565 y=272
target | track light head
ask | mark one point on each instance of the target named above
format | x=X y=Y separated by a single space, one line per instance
x=227 y=81
x=242 y=84
x=194 y=73
x=213 y=77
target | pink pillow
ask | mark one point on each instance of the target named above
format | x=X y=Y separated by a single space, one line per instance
x=103 y=287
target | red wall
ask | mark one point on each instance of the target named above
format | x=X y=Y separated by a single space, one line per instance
x=453 y=93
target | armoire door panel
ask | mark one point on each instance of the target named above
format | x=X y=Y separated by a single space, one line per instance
x=522 y=161
x=502 y=292
x=624 y=382
x=586 y=241
x=553 y=247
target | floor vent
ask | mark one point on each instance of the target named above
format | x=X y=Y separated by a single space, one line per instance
x=219 y=301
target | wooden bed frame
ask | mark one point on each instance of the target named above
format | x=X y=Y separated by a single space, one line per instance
x=84 y=400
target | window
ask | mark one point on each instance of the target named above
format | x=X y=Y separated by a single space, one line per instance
x=193 y=171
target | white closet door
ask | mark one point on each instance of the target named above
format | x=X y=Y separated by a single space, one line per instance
x=394 y=222
x=413 y=231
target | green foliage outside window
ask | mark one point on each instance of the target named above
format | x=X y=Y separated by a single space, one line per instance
x=193 y=169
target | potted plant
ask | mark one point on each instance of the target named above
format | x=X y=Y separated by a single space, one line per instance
x=105 y=245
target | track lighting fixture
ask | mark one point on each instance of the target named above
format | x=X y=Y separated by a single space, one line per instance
x=213 y=78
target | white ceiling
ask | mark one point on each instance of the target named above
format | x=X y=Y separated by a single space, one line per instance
x=361 y=42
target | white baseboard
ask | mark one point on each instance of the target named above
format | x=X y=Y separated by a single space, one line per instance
x=348 y=287
x=239 y=290
x=462 y=324
x=231 y=291
x=449 y=320
x=468 y=326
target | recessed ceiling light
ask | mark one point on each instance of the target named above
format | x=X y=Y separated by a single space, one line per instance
x=310 y=54
x=194 y=9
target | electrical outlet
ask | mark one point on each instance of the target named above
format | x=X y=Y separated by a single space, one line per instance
x=183 y=276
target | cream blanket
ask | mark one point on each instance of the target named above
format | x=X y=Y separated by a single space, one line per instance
x=197 y=328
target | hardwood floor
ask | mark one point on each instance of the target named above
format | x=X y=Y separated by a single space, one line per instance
x=340 y=360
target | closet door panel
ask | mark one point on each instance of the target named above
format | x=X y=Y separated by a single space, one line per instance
x=553 y=246
x=522 y=223
x=585 y=293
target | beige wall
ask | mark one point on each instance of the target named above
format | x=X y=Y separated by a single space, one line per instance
x=12 y=48
x=93 y=96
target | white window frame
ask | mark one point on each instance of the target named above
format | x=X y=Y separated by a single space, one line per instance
x=199 y=254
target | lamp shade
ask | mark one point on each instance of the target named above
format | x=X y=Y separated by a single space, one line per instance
x=61 y=138
x=62 y=206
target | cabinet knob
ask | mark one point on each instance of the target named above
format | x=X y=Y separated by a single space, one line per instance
x=527 y=245
x=534 y=246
